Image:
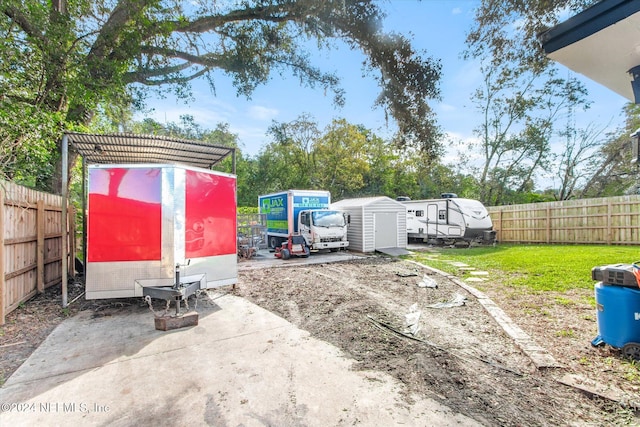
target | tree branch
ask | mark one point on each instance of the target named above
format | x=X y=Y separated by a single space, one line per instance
x=209 y=23
x=23 y=21
x=110 y=32
x=170 y=80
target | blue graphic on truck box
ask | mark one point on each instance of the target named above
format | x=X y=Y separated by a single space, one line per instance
x=275 y=207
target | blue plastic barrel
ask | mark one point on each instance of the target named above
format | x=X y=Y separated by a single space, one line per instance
x=618 y=314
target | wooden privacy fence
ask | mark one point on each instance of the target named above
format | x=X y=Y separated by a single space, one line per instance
x=31 y=244
x=610 y=221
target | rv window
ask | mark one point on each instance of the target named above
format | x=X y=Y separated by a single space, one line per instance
x=419 y=213
x=442 y=214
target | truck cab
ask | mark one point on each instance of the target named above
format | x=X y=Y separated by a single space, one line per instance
x=324 y=229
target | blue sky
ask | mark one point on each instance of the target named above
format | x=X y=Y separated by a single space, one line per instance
x=438 y=27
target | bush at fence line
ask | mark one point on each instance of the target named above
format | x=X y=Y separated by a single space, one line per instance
x=247 y=209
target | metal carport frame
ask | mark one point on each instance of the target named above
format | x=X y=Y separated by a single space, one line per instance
x=128 y=148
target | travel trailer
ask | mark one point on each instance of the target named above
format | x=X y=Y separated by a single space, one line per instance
x=448 y=220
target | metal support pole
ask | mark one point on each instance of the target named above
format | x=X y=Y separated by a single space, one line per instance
x=65 y=231
x=176 y=286
x=84 y=217
x=233 y=157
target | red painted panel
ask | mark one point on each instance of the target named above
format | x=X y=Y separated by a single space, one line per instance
x=210 y=215
x=125 y=214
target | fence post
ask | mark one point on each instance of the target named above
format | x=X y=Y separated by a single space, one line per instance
x=40 y=246
x=548 y=224
x=609 y=220
x=2 y=282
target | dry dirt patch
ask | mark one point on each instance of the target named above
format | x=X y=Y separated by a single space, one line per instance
x=461 y=357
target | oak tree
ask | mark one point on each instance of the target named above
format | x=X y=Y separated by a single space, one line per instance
x=63 y=61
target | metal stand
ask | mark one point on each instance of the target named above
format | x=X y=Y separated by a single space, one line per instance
x=181 y=290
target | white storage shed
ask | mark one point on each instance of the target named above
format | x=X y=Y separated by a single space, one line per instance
x=376 y=223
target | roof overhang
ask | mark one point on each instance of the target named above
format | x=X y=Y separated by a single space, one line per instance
x=128 y=148
x=602 y=43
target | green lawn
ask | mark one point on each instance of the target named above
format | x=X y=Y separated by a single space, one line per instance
x=537 y=268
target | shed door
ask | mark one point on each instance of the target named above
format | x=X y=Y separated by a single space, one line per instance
x=386 y=230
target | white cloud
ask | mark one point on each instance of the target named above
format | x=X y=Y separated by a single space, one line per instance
x=258 y=112
x=204 y=117
x=207 y=112
x=456 y=11
x=251 y=138
x=459 y=143
x=447 y=107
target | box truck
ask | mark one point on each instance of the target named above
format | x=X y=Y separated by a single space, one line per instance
x=305 y=213
x=448 y=220
x=150 y=226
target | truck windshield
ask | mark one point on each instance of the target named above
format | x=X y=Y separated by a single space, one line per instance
x=328 y=218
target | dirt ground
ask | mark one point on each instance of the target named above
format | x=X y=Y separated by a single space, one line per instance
x=459 y=356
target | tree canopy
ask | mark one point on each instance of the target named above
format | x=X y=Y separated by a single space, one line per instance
x=526 y=105
x=82 y=65
x=62 y=61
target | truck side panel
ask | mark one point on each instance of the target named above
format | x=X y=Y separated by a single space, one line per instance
x=275 y=207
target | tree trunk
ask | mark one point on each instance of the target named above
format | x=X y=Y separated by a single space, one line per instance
x=53 y=183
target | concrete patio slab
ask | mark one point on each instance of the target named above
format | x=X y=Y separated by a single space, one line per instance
x=241 y=365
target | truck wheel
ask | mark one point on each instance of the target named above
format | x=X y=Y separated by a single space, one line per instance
x=274 y=242
x=285 y=254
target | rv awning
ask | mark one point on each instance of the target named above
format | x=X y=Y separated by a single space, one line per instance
x=128 y=148
x=601 y=43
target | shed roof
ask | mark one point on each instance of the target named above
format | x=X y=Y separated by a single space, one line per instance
x=129 y=148
x=602 y=43
x=363 y=201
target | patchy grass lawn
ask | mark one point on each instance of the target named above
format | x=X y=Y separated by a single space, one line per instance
x=548 y=291
x=537 y=268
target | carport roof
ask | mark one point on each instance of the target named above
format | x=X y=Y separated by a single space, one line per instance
x=129 y=148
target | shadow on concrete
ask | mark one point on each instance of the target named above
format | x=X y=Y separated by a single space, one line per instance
x=95 y=338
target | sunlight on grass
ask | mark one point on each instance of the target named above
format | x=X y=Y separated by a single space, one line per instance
x=536 y=268
x=566 y=333
x=632 y=370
